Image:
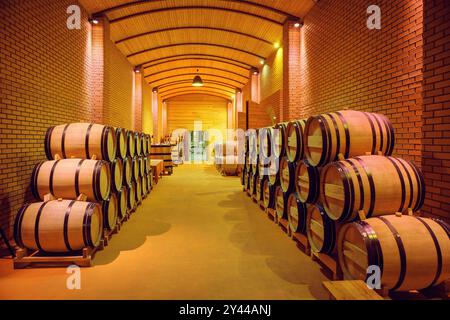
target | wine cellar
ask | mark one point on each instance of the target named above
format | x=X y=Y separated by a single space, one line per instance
x=225 y=150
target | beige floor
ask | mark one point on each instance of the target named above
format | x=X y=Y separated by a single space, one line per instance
x=197 y=236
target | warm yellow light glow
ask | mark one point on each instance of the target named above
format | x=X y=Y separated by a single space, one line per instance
x=262 y=62
x=276 y=45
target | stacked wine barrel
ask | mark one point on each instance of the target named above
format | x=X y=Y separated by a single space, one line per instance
x=338 y=183
x=226 y=158
x=93 y=178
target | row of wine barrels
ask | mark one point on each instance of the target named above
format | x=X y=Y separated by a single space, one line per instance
x=321 y=230
x=80 y=140
x=307 y=182
x=279 y=140
x=295 y=148
x=377 y=185
x=287 y=175
x=259 y=188
x=110 y=211
x=117 y=174
x=59 y=226
x=253 y=140
x=296 y=211
x=228 y=165
x=121 y=143
x=265 y=142
x=350 y=133
x=268 y=194
x=122 y=202
x=68 y=178
x=281 y=205
x=412 y=253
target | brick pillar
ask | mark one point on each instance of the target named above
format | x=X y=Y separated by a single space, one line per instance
x=98 y=72
x=137 y=100
x=436 y=108
x=291 y=69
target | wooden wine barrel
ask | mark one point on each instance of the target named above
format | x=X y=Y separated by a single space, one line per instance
x=131 y=196
x=351 y=133
x=110 y=209
x=254 y=164
x=376 y=184
x=150 y=181
x=138 y=191
x=58 y=226
x=307 y=182
x=121 y=143
x=281 y=203
x=247 y=181
x=243 y=175
x=413 y=253
x=135 y=168
x=265 y=142
x=274 y=176
x=252 y=184
x=253 y=141
x=229 y=166
x=141 y=166
x=131 y=143
x=81 y=140
x=279 y=139
x=116 y=168
x=68 y=178
x=268 y=195
x=287 y=175
x=294 y=134
x=138 y=144
x=144 y=186
x=296 y=212
x=144 y=144
x=163 y=152
x=127 y=171
x=259 y=188
x=146 y=165
x=320 y=229
x=122 y=202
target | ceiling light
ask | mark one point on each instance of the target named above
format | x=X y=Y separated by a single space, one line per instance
x=197 y=82
x=297 y=24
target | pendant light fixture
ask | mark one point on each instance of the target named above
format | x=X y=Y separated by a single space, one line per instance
x=197 y=82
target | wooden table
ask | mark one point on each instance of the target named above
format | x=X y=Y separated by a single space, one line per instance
x=157 y=168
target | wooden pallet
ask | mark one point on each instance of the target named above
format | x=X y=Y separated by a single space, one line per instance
x=302 y=242
x=284 y=225
x=271 y=214
x=107 y=234
x=329 y=263
x=36 y=259
x=350 y=290
x=261 y=205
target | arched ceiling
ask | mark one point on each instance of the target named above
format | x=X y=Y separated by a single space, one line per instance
x=172 y=39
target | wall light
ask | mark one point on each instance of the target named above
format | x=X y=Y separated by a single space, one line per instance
x=255 y=71
x=137 y=69
x=298 y=24
x=94 y=21
x=155 y=90
x=262 y=62
x=276 y=45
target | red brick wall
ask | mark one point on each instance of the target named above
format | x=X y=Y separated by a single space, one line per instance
x=44 y=80
x=436 y=113
x=346 y=65
x=49 y=76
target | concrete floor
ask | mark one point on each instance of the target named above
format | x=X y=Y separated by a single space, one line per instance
x=197 y=236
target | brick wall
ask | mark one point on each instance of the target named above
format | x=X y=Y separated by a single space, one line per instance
x=118 y=95
x=50 y=75
x=436 y=113
x=44 y=80
x=346 y=65
x=147 y=117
